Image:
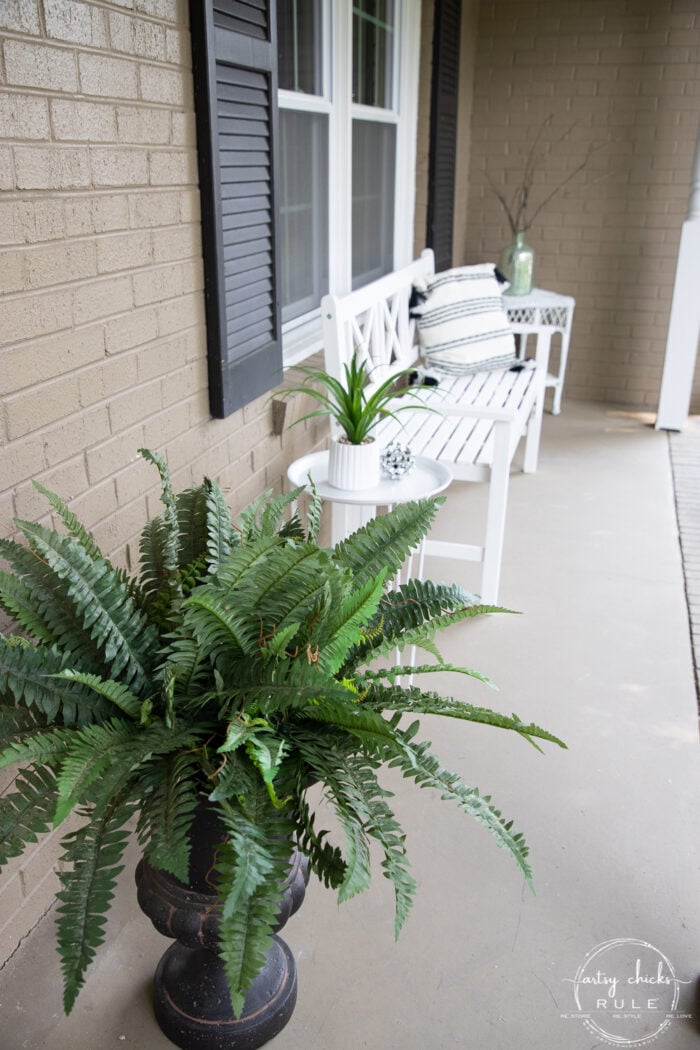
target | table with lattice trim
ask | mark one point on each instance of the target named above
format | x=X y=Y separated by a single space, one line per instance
x=541 y=308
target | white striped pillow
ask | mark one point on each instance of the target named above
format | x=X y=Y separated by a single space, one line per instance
x=462 y=323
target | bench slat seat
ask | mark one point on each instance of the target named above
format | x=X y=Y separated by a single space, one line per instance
x=479 y=418
x=464 y=439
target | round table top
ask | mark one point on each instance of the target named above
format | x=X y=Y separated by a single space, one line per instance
x=427 y=478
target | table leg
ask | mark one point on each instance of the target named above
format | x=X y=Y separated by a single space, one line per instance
x=347 y=518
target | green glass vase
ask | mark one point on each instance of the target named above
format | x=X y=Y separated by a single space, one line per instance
x=516 y=262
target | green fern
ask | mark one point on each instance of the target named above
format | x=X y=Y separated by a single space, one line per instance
x=381 y=825
x=397 y=671
x=92 y=750
x=17 y=599
x=224 y=633
x=29 y=676
x=152 y=551
x=285 y=587
x=59 y=622
x=75 y=527
x=359 y=801
x=418 y=764
x=384 y=542
x=191 y=511
x=26 y=812
x=92 y=855
x=419 y=601
x=326 y=860
x=283 y=687
x=247 y=859
x=221 y=536
x=263 y=517
x=116 y=693
x=251 y=872
x=346 y=620
x=246 y=935
x=233 y=672
x=44 y=747
x=164 y=827
x=360 y=721
x=168 y=530
x=412 y=701
x=271 y=517
x=314 y=509
x=186 y=661
x=78 y=531
x=17 y=723
x=421 y=636
x=116 y=625
x=245 y=559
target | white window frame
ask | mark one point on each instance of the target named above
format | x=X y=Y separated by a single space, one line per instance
x=302 y=336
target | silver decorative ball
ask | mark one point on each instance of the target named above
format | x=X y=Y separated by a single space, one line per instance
x=397 y=461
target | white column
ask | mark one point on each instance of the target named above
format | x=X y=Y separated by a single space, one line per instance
x=684 y=323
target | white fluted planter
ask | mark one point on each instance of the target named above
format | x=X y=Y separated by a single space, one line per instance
x=354 y=467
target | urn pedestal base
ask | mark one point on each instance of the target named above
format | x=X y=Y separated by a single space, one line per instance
x=192 y=1000
x=193 y=1007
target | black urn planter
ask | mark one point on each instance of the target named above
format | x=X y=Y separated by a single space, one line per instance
x=192 y=1001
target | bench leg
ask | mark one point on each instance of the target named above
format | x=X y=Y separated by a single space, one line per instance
x=534 y=426
x=496 y=514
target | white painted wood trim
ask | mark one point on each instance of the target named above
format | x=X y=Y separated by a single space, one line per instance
x=684 y=322
x=340 y=153
x=337 y=103
x=406 y=145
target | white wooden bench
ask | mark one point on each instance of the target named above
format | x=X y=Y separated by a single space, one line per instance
x=480 y=418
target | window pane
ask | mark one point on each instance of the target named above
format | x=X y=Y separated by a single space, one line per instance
x=299 y=45
x=372 y=52
x=373 y=171
x=303 y=211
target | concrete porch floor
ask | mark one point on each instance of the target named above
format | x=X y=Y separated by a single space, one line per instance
x=602 y=657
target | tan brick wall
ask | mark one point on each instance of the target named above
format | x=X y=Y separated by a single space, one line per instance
x=102 y=341
x=627 y=75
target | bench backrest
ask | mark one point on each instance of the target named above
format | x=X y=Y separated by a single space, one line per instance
x=373 y=323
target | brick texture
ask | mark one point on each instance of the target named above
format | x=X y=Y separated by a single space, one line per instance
x=622 y=76
x=102 y=338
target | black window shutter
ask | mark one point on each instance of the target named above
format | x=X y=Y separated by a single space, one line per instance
x=443 y=130
x=234 y=55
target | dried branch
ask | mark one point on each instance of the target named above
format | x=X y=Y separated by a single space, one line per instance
x=517 y=209
x=503 y=202
x=572 y=174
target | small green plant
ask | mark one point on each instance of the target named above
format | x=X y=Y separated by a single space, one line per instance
x=355 y=411
x=235 y=669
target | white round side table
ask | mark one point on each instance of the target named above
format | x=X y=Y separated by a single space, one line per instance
x=544 y=309
x=427 y=478
x=352 y=509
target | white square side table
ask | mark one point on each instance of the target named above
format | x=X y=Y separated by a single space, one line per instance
x=543 y=309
